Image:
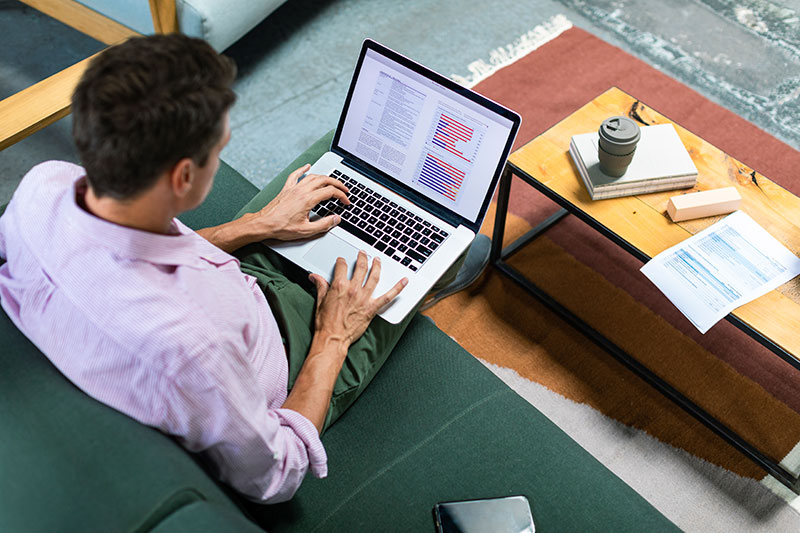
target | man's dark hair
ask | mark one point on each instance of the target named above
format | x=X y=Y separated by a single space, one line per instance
x=144 y=105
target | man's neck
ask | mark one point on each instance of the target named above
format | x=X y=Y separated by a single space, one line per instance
x=144 y=212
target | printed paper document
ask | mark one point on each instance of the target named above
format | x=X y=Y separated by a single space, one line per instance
x=721 y=268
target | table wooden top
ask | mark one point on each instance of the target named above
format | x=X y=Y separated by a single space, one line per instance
x=643 y=221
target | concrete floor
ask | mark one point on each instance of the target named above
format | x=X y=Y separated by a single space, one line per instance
x=296 y=65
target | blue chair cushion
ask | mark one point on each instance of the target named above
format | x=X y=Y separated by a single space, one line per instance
x=220 y=22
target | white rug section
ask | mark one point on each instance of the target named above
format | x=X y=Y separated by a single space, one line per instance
x=692 y=493
x=791 y=463
x=505 y=55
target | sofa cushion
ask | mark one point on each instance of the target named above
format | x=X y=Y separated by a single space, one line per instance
x=436 y=425
x=70 y=463
x=204 y=516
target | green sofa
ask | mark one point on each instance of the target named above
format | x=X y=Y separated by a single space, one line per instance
x=434 y=425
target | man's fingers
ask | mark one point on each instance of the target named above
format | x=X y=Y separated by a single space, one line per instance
x=374 y=275
x=318 y=181
x=340 y=270
x=294 y=176
x=392 y=293
x=341 y=186
x=322 y=287
x=329 y=180
x=322 y=225
x=320 y=195
x=334 y=187
x=361 y=268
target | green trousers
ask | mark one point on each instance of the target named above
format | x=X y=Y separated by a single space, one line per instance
x=291 y=297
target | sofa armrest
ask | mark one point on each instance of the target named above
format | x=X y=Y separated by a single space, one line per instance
x=165 y=16
x=39 y=105
x=84 y=19
x=48 y=101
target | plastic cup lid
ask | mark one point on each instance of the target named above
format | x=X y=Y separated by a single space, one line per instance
x=620 y=130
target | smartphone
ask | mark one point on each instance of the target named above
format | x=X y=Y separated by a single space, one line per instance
x=492 y=515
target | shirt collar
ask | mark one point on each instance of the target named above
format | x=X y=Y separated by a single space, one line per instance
x=180 y=248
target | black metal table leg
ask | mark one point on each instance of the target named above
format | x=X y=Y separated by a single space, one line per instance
x=500 y=214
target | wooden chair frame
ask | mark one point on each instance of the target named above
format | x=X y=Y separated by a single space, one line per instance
x=49 y=100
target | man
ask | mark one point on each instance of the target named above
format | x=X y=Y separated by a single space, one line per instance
x=160 y=322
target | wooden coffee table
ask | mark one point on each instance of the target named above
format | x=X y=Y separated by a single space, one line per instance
x=640 y=225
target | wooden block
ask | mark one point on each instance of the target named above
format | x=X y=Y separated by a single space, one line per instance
x=703 y=204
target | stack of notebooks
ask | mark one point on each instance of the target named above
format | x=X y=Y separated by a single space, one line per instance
x=661 y=163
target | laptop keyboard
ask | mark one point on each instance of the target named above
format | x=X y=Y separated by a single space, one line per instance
x=384 y=225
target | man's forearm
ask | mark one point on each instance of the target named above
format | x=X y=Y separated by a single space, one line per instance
x=233 y=235
x=312 y=391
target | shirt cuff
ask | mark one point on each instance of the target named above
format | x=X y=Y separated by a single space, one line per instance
x=307 y=432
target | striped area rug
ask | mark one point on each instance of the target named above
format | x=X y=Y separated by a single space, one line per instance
x=724 y=371
x=497 y=322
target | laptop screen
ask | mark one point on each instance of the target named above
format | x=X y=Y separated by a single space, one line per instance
x=420 y=129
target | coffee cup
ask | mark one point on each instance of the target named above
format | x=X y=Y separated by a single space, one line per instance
x=617 y=144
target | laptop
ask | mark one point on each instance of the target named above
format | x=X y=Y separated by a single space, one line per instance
x=421 y=157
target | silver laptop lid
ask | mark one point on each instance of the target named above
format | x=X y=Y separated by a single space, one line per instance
x=420 y=134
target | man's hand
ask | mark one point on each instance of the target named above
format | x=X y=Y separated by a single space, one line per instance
x=286 y=217
x=346 y=306
x=344 y=310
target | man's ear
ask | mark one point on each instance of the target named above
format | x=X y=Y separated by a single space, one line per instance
x=181 y=177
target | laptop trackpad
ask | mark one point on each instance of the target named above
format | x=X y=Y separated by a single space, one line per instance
x=323 y=255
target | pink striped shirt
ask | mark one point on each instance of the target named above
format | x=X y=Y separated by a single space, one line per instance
x=164 y=328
